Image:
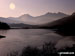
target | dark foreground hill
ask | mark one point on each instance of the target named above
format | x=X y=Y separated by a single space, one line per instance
x=64 y=26
x=4 y=26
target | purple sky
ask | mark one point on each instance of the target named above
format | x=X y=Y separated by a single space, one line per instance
x=36 y=7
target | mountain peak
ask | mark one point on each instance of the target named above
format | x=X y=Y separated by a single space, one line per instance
x=48 y=13
x=26 y=15
x=60 y=13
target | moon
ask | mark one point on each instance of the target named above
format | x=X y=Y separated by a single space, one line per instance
x=12 y=6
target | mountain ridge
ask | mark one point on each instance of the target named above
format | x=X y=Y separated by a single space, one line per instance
x=30 y=20
x=48 y=17
x=65 y=26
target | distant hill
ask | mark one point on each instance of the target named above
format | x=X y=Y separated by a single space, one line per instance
x=23 y=26
x=9 y=20
x=19 y=25
x=43 y=19
x=14 y=19
x=64 y=26
x=27 y=19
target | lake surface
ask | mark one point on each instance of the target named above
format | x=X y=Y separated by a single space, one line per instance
x=17 y=39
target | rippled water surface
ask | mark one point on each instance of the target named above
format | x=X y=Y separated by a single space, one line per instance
x=16 y=39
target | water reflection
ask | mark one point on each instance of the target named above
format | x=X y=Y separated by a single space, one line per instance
x=17 y=39
x=3 y=32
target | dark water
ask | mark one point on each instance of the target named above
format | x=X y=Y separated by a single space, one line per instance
x=18 y=38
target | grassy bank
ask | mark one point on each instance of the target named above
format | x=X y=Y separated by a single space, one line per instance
x=48 y=49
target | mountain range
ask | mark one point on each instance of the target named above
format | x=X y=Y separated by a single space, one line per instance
x=27 y=19
x=43 y=19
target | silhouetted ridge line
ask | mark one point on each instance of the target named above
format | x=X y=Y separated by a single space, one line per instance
x=4 y=26
x=65 y=26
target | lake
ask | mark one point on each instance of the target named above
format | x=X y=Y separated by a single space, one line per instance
x=17 y=39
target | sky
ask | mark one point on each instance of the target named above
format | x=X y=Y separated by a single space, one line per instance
x=35 y=7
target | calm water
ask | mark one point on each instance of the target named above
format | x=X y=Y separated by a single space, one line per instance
x=19 y=38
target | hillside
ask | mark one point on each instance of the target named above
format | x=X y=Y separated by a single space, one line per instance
x=4 y=26
x=65 y=26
